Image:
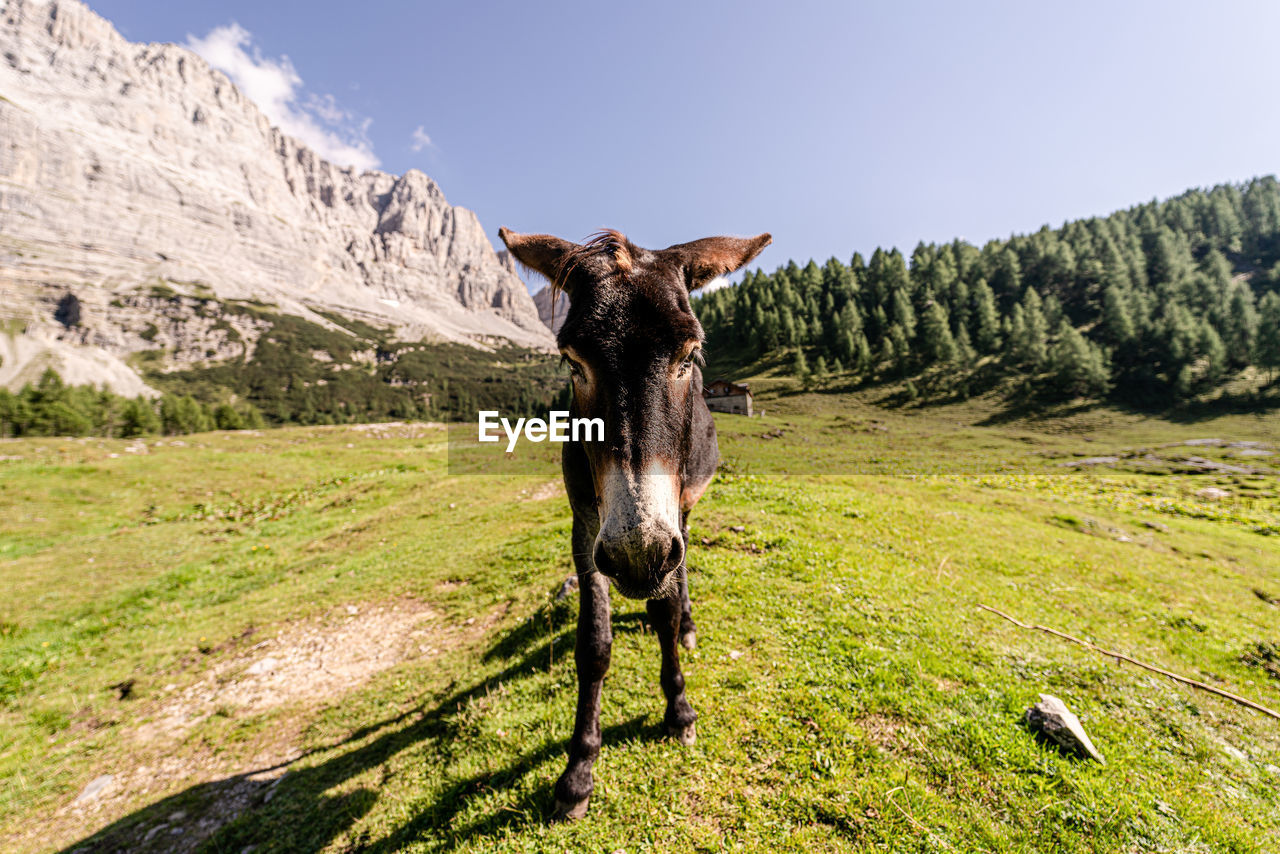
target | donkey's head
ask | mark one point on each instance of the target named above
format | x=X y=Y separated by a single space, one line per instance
x=632 y=346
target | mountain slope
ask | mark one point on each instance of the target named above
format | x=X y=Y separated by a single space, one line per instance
x=1163 y=303
x=127 y=167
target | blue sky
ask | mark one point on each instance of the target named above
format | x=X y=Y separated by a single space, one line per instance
x=836 y=126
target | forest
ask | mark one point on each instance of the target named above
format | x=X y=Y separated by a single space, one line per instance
x=363 y=377
x=50 y=407
x=1153 y=305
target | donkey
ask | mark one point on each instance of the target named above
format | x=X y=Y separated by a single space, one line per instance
x=633 y=348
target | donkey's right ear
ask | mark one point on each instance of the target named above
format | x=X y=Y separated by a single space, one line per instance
x=541 y=253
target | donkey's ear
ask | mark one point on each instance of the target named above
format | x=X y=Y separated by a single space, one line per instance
x=541 y=253
x=709 y=257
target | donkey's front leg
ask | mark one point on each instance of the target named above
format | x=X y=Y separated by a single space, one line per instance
x=595 y=640
x=688 y=631
x=666 y=615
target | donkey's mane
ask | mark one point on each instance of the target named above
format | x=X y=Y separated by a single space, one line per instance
x=606 y=243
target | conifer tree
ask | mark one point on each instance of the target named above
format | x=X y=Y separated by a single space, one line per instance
x=903 y=315
x=986 y=320
x=1033 y=346
x=138 y=418
x=1268 y=345
x=936 y=341
x=1078 y=366
x=1241 y=325
x=964 y=350
x=1212 y=352
x=901 y=348
x=862 y=354
x=1117 y=320
x=799 y=364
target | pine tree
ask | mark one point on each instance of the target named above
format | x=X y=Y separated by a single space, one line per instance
x=888 y=356
x=1117 y=319
x=138 y=418
x=903 y=315
x=901 y=349
x=862 y=354
x=986 y=320
x=1268 y=344
x=1033 y=345
x=936 y=340
x=1241 y=326
x=1212 y=351
x=1078 y=366
x=799 y=364
x=846 y=348
x=964 y=350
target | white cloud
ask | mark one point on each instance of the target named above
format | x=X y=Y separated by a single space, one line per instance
x=274 y=85
x=420 y=139
x=714 y=285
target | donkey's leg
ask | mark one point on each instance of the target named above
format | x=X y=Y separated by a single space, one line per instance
x=595 y=640
x=688 y=631
x=665 y=615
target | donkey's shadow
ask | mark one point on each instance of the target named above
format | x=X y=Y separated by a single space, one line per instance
x=296 y=812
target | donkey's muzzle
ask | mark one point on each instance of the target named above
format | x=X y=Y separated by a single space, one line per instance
x=640 y=566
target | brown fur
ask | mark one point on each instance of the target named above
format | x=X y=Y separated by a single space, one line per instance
x=631 y=330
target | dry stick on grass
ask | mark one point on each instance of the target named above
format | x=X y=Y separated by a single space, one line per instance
x=1257 y=707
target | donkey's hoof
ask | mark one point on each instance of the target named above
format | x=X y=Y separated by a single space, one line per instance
x=689 y=640
x=571 y=812
x=686 y=735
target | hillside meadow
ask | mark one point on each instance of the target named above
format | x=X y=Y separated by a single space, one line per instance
x=330 y=638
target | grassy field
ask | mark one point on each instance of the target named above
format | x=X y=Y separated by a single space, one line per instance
x=330 y=639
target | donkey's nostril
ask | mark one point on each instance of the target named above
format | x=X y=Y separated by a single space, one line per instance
x=604 y=561
x=675 y=556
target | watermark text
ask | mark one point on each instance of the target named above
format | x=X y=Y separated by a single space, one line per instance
x=557 y=427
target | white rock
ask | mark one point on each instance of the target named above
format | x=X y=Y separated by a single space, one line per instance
x=266 y=665
x=1212 y=493
x=1051 y=718
x=96 y=787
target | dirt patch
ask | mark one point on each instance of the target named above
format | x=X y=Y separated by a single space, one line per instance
x=550 y=489
x=882 y=730
x=304 y=661
x=394 y=429
x=171 y=825
x=302 y=665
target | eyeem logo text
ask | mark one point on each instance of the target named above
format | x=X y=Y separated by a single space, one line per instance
x=558 y=427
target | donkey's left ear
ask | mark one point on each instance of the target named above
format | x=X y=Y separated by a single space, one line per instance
x=541 y=253
x=709 y=257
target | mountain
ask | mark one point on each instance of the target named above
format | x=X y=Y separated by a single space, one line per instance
x=145 y=202
x=552 y=307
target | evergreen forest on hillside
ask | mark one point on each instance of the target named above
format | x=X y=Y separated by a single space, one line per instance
x=1156 y=305
x=297 y=373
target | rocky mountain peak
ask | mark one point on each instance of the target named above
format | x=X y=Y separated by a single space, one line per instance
x=129 y=167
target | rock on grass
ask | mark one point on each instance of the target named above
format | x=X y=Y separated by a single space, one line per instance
x=1051 y=719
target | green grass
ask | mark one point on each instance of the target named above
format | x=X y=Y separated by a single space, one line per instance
x=851 y=694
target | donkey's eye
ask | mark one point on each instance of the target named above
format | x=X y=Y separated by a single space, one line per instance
x=687 y=362
x=575 y=370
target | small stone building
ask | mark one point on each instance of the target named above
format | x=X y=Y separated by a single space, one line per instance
x=724 y=396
